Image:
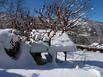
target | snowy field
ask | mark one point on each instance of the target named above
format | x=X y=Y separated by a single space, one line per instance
x=78 y=64
x=91 y=67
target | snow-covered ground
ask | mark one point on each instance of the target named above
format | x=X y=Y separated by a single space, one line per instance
x=78 y=64
x=91 y=67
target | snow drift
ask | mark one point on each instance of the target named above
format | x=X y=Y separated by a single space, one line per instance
x=71 y=73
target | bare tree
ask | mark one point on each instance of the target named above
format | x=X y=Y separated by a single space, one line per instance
x=56 y=15
x=63 y=14
x=14 y=14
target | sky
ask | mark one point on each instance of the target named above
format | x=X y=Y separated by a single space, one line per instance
x=98 y=10
x=96 y=15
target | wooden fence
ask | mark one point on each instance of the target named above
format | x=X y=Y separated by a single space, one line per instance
x=89 y=48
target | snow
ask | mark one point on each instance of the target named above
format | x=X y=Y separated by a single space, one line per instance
x=71 y=73
x=25 y=59
x=6 y=35
x=94 y=44
x=60 y=42
x=64 y=69
x=25 y=66
x=97 y=45
x=39 y=46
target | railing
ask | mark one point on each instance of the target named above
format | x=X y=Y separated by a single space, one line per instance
x=89 y=48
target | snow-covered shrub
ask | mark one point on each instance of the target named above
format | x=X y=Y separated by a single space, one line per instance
x=10 y=40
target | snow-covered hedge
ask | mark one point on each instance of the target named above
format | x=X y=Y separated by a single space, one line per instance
x=8 y=37
x=60 y=42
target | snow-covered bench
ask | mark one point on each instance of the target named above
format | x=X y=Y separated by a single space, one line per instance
x=59 y=43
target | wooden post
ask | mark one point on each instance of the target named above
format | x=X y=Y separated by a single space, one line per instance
x=65 y=55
